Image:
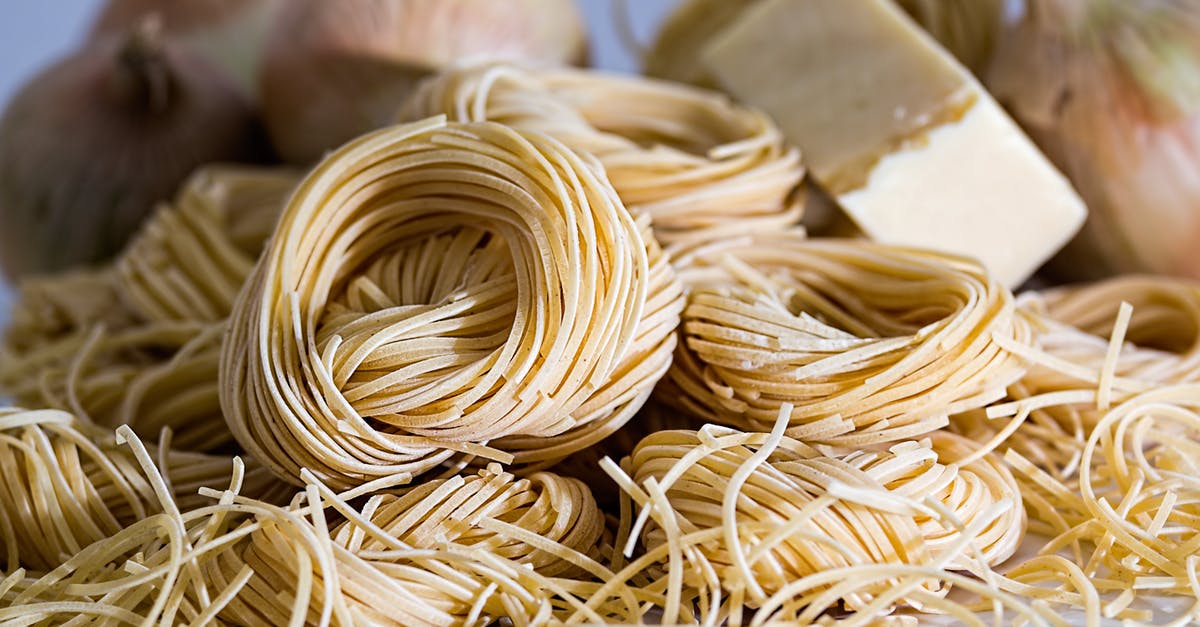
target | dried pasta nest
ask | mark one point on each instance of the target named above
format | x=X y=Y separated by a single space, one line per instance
x=1164 y=323
x=67 y=484
x=1130 y=517
x=442 y=290
x=1096 y=345
x=49 y=310
x=868 y=343
x=151 y=376
x=137 y=342
x=755 y=515
x=701 y=167
x=189 y=260
x=408 y=560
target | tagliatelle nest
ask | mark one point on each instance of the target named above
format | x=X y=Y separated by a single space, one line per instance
x=700 y=166
x=67 y=484
x=1131 y=519
x=466 y=550
x=190 y=259
x=392 y=560
x=440 y=289
x=137 y=342
x=1095 y=346
x=759 y=520
x=867 y=343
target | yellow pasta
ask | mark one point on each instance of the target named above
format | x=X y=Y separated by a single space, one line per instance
x=867 y=343
x=466 y=550
x=65 y=484
x=437 y=290
x=1076 y=351
x=410 y=560
x=1131 y=518
x=52 y=308
x=137 y=342
x=701 y=167
x=190 y=259
x=758 y=521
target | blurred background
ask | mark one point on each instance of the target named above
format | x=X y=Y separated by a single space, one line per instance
x=34 y=34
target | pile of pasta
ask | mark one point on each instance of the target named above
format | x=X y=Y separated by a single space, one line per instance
x=137 y=341
x=700 y=166
x=561 y=354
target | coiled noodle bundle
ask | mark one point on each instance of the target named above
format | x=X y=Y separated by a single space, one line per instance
x=66 y=484
x=869 y=343
x=137 y=342
x=189 y=260
x=759 y=512
x=1107 y=341
x=405 y=560
x=433 y=287
x=701 y=167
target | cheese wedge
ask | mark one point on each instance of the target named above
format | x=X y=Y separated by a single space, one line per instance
x=904 y=137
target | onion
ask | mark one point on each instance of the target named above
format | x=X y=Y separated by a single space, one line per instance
x=335 y=70
x=1110 y=89
x=675 y=53
x=91 y=144
x=228 y=33
x=967 y=28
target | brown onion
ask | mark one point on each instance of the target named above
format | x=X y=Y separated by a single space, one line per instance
x=335 y=70
x=967 y=28
x=1110 y=90
x=675 y=53
x=92 y=143
x=228 y=33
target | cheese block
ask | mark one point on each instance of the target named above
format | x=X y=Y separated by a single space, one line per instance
x=908 y=142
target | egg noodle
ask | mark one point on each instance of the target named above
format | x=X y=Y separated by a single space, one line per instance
x=472 y=386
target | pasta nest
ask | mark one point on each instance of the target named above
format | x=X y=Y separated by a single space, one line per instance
x=763 y=515
x=868 y=343
x=66 y=484
x=137 y=341
x=1096 y=345
x=700 y=166
x=435 y=555
x=1130 y=516
x=440 y=289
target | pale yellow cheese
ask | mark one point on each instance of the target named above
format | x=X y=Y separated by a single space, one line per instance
x=910 y=144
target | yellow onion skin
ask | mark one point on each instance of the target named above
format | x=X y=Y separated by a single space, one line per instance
x=335 y=70
x=85 y=154
x=675 y=52
x=229 y=34
x=967 y=28
x=1111 y=93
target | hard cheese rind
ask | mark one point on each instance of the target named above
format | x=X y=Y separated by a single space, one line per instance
x=913 y=148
